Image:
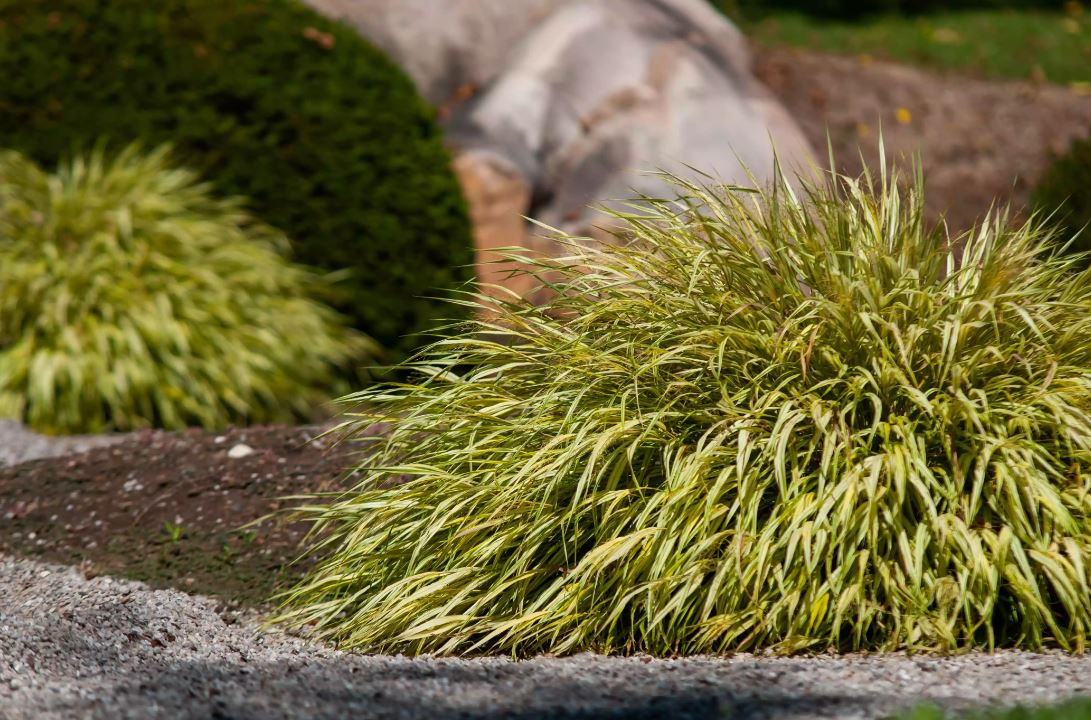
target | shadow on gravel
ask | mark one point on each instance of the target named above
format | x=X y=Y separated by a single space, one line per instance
x=439 y=689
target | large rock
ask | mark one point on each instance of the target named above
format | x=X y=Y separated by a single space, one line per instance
x=605 y=92
x=557 y=106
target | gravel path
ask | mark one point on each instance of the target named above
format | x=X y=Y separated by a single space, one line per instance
x=105 y=648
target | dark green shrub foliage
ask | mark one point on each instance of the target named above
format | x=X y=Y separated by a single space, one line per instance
x=1066 y=190
x=760 y=420
x=132 y=297
x=323 y=134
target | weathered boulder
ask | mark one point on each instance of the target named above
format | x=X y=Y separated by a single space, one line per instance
x=604 y=92
x=557 y=106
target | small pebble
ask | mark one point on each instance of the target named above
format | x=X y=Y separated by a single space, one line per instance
x=240 y=451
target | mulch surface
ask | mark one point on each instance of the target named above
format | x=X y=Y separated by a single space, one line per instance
x=980 y=140
x=170 y=508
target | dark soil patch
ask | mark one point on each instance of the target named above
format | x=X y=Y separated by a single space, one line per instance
x=980 y=140
x=169 y=508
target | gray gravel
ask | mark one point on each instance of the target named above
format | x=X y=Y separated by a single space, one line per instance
x=20 y=444
x=105 y=648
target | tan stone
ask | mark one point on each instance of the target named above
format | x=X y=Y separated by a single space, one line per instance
x=499 y=198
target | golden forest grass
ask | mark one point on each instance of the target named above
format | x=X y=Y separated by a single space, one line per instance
x=759 y=420
x=131 y=297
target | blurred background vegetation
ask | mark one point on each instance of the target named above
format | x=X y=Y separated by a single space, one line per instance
x=1045 y=40
x=313 y=131
x=325 y=136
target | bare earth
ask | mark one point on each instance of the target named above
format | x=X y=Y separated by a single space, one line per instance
x=978 y=139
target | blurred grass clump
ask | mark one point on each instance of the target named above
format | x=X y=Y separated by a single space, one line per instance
x=1065 y=192
x=760 y=420
x=131 y=297
x=324 y=135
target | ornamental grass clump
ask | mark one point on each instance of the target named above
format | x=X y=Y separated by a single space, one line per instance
x=131 y=297
x=760 y=420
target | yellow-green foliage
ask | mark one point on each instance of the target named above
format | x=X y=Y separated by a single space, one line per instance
x=131 y=297
x=757 y=422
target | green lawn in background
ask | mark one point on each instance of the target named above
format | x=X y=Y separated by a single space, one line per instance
x=1079 y=709
x=1054 y=46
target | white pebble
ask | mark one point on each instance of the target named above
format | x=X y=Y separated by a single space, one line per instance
x=240 y=451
